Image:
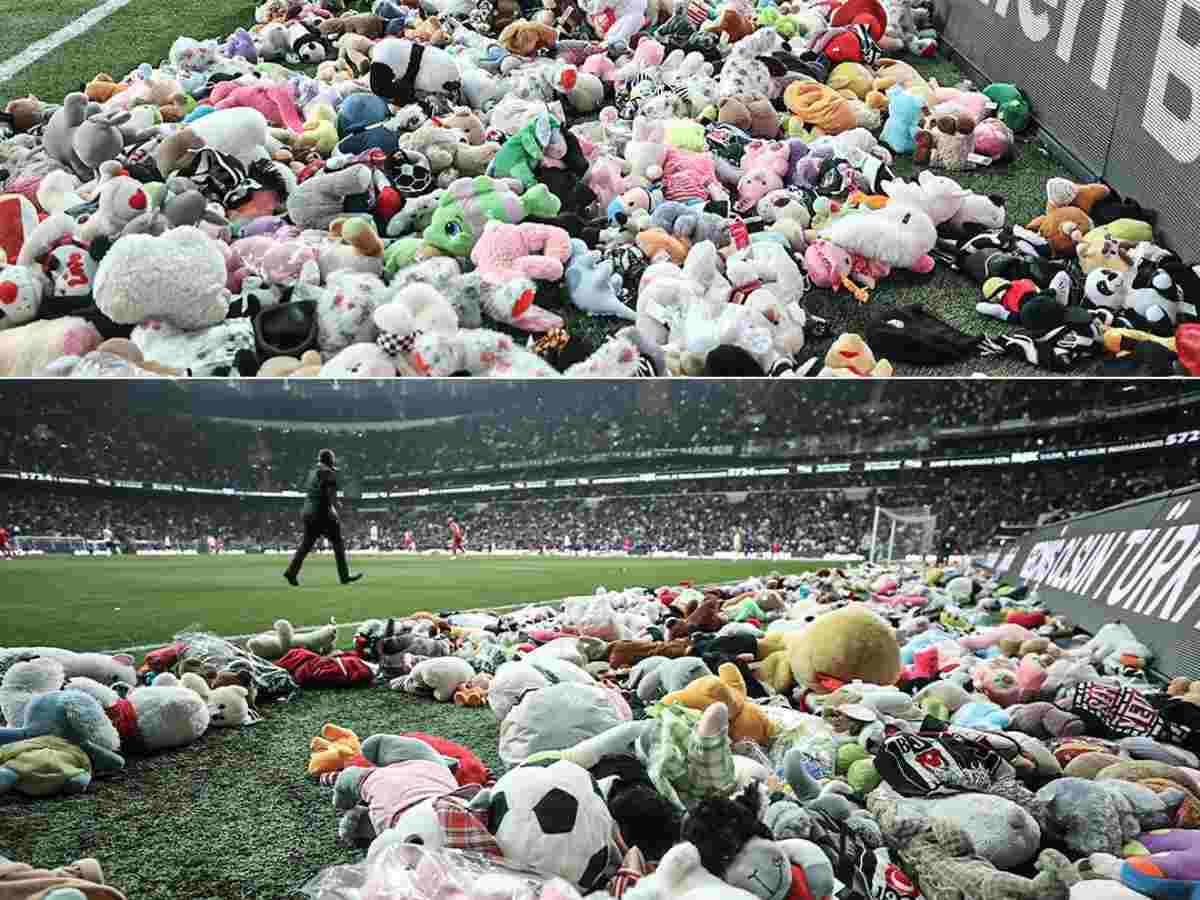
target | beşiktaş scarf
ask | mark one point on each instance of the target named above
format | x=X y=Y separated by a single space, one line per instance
x=1058 y=349
x=922 y=765
x=225 y=179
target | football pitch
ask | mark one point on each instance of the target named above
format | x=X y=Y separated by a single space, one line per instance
x=233 y=815
x=103 y=603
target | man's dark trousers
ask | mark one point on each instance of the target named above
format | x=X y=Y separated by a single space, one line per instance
x=317 y=527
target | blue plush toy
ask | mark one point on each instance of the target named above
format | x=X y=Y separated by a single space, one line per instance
x=73 y=716
x=982 y=715
x=593 y=285
x=904 y=119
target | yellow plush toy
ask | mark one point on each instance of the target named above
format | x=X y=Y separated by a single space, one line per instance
x=747 y=720
x=848 y=644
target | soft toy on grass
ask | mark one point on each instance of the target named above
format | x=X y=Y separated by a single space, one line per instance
x=150 y=718
x=333 y=749
x=76 y=717
x=81 y=880
x=270 y=645
x=441 y=677
x=26 y=680
x=43 y=767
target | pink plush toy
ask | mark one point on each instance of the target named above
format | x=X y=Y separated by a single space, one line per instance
x=505 y=252
x=26 y=350
x=274 y=101
x=601 y=66
x=828 y=265
x=766 y=165
x=691 y=177
x=274 y=260
x=989 y=637
x=996 y=679
x=649 y=55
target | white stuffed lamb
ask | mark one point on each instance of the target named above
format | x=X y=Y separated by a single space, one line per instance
x=443 y=675
x=273 y=645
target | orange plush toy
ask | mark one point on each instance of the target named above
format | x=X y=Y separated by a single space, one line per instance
x=747 y=720
x=333 y=750
x=819 y=106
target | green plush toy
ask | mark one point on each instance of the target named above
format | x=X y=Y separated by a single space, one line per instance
x=1012 y=106
x=468 y=204
x=524 y=151
x=44 y=766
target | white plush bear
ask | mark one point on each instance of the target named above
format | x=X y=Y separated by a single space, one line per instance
x=140 y=278
x=150 y=718
x=443 y=675
x=23 y=682
x=681 y=876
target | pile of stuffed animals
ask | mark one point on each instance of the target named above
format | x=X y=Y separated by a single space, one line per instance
x=424 y=189
x=861 y=733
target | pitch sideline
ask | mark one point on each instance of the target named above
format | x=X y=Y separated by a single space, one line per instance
x=47 y=45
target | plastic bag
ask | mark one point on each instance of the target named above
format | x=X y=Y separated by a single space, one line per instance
x=397 y=871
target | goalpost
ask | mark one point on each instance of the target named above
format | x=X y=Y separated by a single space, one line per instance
x=909 y=531
x=45 y=543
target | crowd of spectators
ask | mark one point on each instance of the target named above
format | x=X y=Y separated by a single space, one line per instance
x=817 y=516
x=44 y=428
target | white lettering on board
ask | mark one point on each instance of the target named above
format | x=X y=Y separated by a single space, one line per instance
x=1175 y=57
x=1035 y=25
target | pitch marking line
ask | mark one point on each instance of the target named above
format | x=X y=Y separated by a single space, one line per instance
x=50 y=43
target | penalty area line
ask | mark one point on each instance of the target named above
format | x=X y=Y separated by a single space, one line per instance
x=52 y=42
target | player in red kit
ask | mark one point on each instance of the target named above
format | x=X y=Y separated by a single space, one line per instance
x=410 y=543
x=456 y=538
x=6 y=549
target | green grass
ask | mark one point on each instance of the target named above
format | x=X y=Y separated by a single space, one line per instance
x=126 y=602
x=234 y=814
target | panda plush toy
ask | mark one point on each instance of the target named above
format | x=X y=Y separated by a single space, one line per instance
x=401 y=70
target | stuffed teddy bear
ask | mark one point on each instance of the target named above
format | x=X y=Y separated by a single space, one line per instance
x=442 y=677
x=752 y=113
x=150 y=718
x=525 y=38
x=229 y=705
x=137 y=279
x=747 y=720
x=25 y=680
x=273 y=645
x=848 y=644
x=946 y=142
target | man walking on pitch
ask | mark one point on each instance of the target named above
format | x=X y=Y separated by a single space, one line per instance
x=321 y=519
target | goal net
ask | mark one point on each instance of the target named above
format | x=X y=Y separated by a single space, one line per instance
x=902 y=533
x=50 y=543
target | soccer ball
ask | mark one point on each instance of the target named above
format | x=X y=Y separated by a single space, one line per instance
x=551 y=817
